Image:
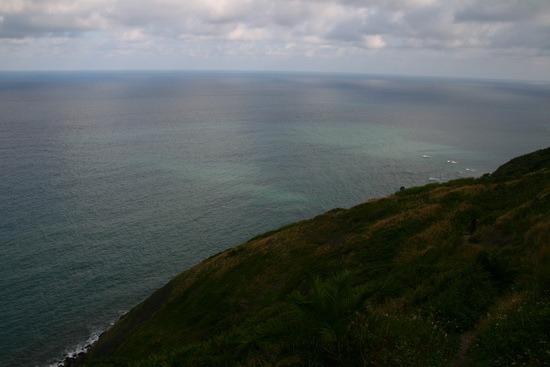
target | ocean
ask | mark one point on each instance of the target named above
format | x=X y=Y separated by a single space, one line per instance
x=111 y=183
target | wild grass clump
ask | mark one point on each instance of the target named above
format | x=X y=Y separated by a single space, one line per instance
x=334 y=326
x=501 y=268
x=411 y=340
x=329 y=328
x=515 y=337
x=463 y=297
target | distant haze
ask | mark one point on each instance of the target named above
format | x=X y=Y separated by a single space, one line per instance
x=464 y=38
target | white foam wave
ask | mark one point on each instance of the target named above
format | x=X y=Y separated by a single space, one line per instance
x=78 y=349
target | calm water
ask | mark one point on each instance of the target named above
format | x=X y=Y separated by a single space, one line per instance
x=112 y=183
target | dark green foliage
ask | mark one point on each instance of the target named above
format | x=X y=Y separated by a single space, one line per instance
x=518 y=337
x=499 y=267
x=462 y=298
x=417 y=190
x=519 y=166
x=402 y=341
x=390 y=282
x=329 y=327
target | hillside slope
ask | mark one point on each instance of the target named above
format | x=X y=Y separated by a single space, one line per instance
x=396 y=281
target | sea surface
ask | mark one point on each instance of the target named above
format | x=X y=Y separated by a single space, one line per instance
x=111 y=183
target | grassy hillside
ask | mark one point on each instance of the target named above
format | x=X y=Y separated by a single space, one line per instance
x=397 y=281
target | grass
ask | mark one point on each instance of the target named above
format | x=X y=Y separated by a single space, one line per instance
x=515 y=335
x=395 y=281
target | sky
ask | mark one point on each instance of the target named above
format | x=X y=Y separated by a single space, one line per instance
x=500 y=39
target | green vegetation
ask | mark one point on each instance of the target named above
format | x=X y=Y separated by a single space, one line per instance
x=397 y=281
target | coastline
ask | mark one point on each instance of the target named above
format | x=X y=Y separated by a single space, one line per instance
x=390 y=221
x=73 y=356
x=61 y=231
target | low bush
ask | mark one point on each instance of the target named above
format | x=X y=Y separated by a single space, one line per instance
x=517 y=337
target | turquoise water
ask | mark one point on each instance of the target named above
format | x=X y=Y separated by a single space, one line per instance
x=112 y=183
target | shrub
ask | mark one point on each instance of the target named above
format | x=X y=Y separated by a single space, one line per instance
x=463 y=298
x=518 y=337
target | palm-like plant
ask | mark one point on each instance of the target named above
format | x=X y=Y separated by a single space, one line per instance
x=333 y=324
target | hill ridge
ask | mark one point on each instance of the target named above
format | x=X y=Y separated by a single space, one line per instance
x=410 y=251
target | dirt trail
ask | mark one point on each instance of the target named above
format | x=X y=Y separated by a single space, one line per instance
x=460 y=359
x=466 y=337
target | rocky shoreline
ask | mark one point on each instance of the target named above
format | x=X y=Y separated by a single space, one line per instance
x=71 y=360
x=77 y=356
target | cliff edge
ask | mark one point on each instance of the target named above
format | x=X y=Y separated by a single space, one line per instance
x=445 y=274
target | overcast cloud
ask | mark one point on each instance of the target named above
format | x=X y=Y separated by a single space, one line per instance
x=494 y=38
